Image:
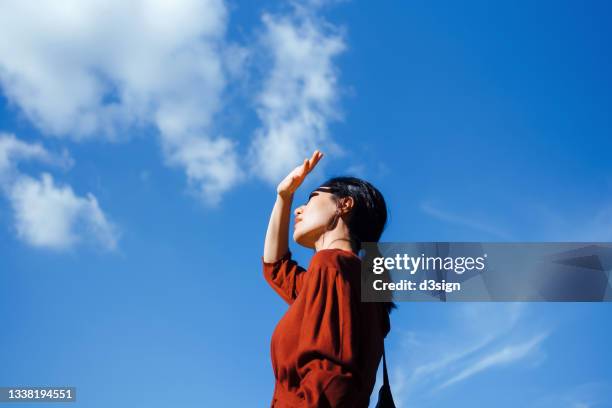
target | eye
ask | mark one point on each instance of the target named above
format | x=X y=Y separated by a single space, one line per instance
x=309 y=197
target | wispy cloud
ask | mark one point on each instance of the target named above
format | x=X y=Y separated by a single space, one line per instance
x=586 y=395
x=592 y=223
x=14 y=150
x=476 y=337
x=453 y=218
x=508 y=354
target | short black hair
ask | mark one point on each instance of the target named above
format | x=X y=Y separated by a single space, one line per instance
x=368 y=218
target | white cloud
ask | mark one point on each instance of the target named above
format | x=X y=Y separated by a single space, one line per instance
x=46 y=214
x=97 y=68
x=299 y=96
x=211 y=164
x=52 y=216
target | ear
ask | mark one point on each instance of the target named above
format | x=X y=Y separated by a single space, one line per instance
x=346 y=204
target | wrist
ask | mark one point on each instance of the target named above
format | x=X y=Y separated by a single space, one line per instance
x=285 y=196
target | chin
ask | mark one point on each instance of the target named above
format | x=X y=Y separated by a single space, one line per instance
x=302 y=239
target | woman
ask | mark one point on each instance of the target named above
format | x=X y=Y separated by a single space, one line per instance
x=327 y=347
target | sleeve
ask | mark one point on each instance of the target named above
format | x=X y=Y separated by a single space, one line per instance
x=327 y=347
x=285 y=276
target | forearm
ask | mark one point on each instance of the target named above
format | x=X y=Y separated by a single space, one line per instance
x=277 y=235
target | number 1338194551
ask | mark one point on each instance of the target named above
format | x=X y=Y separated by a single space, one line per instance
x=40 y=394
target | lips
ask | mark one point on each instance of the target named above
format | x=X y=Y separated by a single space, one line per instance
x=296 y=221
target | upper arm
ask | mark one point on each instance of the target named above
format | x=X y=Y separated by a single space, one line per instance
x=285 y=276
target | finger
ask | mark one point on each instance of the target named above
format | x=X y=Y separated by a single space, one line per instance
x=305 y=167
x=313 y=159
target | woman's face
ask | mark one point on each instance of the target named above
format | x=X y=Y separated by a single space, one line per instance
x=311 y=219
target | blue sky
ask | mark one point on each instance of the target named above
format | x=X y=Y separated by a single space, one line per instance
x=140 y=147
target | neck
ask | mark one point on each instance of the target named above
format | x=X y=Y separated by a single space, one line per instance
x=338 y=238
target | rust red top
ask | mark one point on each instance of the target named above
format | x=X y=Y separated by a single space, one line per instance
x=327 y=347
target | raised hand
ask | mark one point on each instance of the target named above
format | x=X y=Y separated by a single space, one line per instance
x=294 y=179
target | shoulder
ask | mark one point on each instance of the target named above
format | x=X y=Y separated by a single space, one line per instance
x=336 y=259
x=335 y=256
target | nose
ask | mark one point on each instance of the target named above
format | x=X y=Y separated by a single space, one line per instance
x=298 y=211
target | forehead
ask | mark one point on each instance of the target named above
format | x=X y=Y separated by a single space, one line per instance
x=324 y=190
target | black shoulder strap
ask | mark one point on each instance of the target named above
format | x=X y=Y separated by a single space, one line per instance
x=385 y=399
x=385 y=375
